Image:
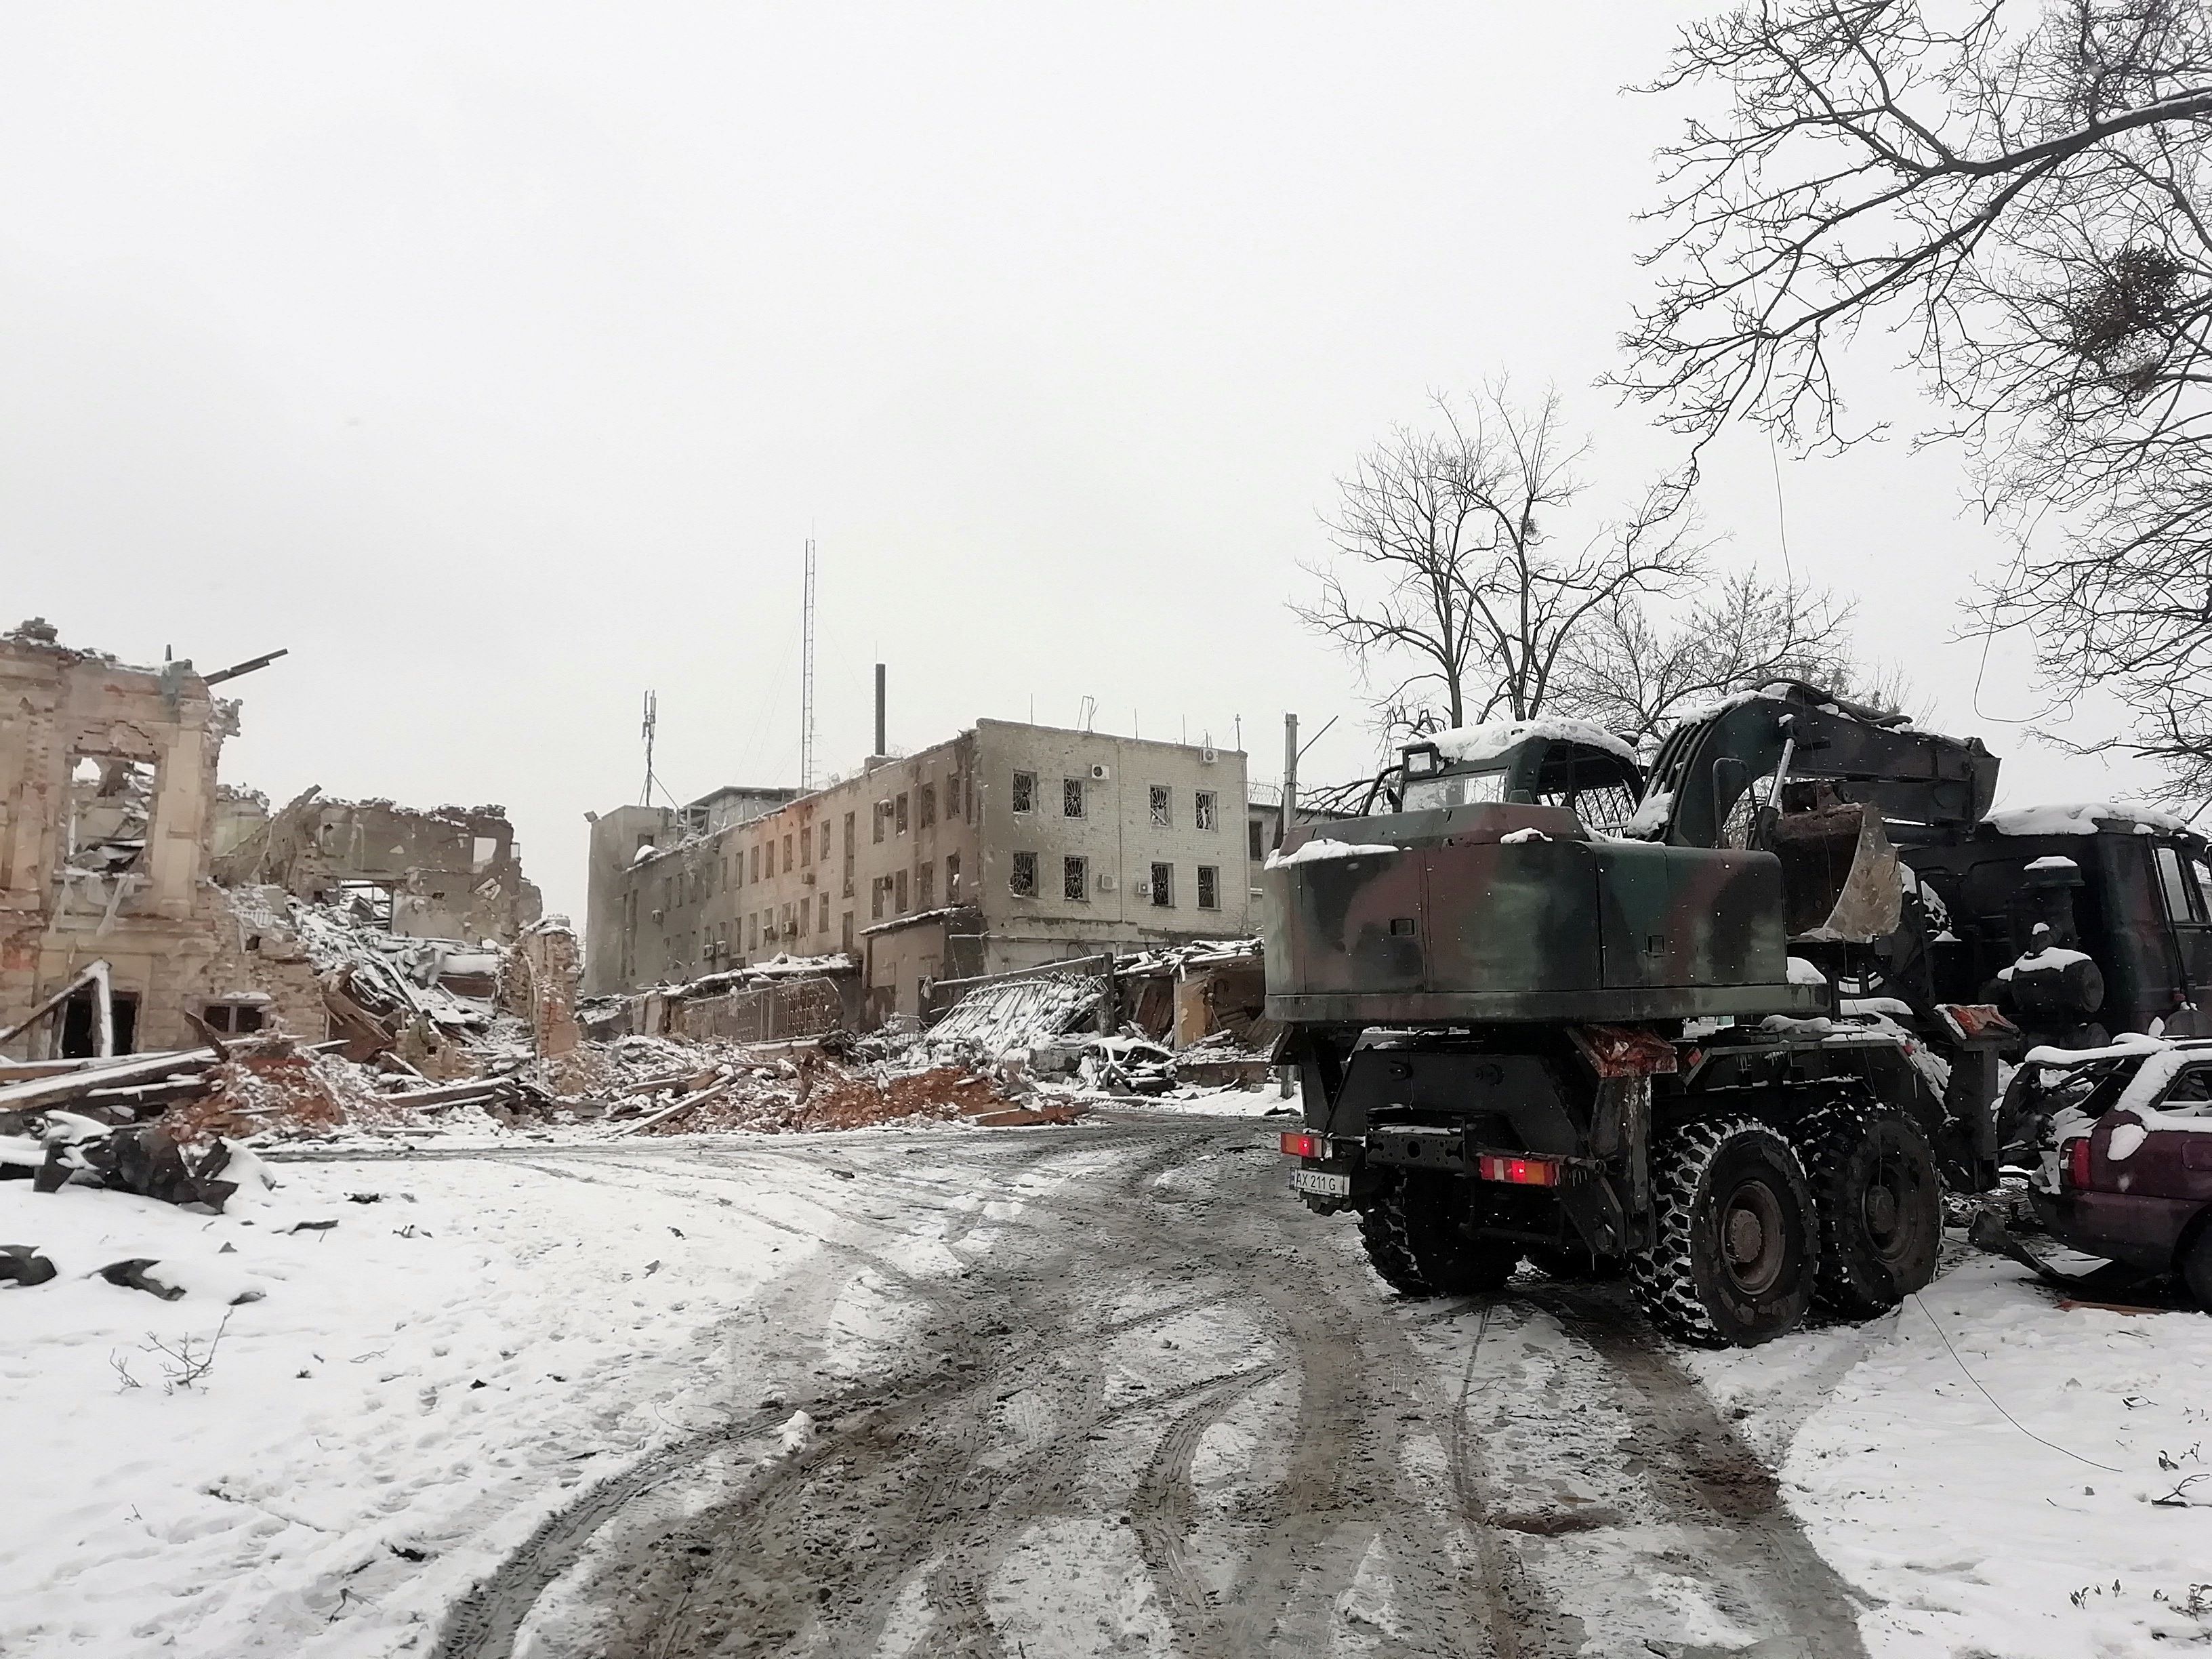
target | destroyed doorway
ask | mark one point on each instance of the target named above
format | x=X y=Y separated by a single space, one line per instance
x=80 y=1024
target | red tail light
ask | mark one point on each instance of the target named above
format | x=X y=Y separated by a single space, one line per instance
x=1520 y=1171
x=1303 y=1145
x=2077 y=1162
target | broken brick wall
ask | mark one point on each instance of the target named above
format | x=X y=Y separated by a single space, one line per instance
x=107 y=786
x=450 y=873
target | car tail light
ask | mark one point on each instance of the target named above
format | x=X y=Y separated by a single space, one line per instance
x=1303 y=1145
x=2077 y=1162
x=1520 y=1171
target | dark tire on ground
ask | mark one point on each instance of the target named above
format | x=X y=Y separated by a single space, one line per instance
x=1411 y=1232
x=1738 y=1242
x=1880 y=1204
x=2196 y=1265
x=1574 y=1263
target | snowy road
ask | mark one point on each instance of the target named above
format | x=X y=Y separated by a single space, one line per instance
x=1113 y=1391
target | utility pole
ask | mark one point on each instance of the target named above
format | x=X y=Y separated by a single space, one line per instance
x=807 y=678
x=1289 y=775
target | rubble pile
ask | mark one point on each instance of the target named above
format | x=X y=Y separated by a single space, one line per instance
x=812 y=1091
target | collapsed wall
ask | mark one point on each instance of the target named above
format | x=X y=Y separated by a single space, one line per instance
x=107 y=784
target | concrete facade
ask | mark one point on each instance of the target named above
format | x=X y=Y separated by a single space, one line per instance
x=107 y=808
x=1006 y=847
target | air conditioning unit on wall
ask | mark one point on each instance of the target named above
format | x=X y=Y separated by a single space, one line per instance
x=1100 y=774
x=1208 y=754
x=1105 y=883
x=1144 y=890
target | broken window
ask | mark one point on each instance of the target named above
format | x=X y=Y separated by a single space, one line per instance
x=787 y=928
x=1023 y=882
x=1209 y=887
x=925 y=887
x=752 y=933
x=1256 y=841
x=756 y=862
x=883 y=817
x=952 y=877
x=1207 y=811
x=786 y=855
x=822 y=926
x=902 y=813
x=111 y=806
x=482 y=850
x=1024 y=792
x=1075 y=878
x=234 y=1018
x=848 y=930
x=1163 y=884
x=1071 y=797
x=849 y=855
x=951 y=796
x=899 y=908
x=1162 y=801
x=926 y=805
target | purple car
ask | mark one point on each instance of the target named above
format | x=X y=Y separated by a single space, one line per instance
x=2126 y=1171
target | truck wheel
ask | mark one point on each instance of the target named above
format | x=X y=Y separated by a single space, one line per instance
x=1880 y=1205
x=1411 y=1230
x=1737 y=1247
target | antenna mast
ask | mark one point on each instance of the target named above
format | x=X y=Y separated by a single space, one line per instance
x=651 y=719
x=806 y=679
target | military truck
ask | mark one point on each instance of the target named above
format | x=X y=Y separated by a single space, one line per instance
x=1730 y=1025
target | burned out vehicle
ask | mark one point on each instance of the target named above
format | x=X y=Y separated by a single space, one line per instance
x=1736 y=1035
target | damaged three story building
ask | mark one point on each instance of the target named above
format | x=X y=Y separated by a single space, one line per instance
x=1007 y=846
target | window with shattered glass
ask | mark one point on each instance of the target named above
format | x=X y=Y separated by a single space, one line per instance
x=110 y=811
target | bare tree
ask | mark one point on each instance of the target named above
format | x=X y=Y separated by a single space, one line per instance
x=2019 y=195
x=1458 y=587
x=1636 y=676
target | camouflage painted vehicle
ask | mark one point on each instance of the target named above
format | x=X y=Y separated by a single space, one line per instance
x=1531 y=1022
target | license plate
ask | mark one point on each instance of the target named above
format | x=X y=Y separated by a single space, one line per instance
x=1322 y=1183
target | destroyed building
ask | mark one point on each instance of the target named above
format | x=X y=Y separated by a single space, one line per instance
x=1009 y=846
x=450 y=873
x=145 y=907
x=107 y=790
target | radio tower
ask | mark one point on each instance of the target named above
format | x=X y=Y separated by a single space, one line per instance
x=651 y=719
x=806 y=679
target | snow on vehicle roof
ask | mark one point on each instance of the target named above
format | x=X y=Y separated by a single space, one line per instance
x=2051 y=862
x=2080 y=818
x=1321 y=847
x=1466 y=744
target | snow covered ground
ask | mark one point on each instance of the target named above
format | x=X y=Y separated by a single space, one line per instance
x=1968 y=1536
x=481 y=1340
x=416 y=1387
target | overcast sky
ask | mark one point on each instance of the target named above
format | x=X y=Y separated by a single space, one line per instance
x=499 y=361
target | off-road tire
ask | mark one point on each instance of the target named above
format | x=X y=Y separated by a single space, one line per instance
x=1411 y=1229
x=1881 y=1203
x=1715 y=1183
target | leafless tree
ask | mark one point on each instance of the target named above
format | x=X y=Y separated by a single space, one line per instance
x=2018 y=193
x=1636 y=675
x=1465 y=567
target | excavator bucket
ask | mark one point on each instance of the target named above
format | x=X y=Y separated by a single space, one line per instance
x=1840 y=877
